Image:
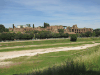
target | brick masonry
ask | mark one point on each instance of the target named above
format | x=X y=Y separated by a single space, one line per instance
x=71 y=30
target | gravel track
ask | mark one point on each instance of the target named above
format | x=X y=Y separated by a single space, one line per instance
x=14 y=54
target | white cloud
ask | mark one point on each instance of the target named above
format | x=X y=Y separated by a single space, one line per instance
x=56 y=12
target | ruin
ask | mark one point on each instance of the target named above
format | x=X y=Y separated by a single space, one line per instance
x=67 y=29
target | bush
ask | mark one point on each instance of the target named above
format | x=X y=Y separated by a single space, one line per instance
x=61 y=30
x=66 y=35
x=37 y=36
x=88 y=34
x=73 y=37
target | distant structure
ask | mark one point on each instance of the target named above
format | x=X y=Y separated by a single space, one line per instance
x=75 y=29
x=19 y=26
x=67 y=29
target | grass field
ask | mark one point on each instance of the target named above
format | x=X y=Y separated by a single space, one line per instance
x=45 y=46
x=45 y=42
x=26 y=64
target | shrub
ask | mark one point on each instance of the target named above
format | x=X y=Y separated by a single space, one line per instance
x=66 y=35
x=61 y=30
x=88 y=34
x=37 y=36
x=73 y=37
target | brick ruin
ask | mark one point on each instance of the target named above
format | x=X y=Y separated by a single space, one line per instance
x=70 y=30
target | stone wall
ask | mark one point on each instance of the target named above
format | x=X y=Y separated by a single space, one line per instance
x=74 y=29
x=80 y=30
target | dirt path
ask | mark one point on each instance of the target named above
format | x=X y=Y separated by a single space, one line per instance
x=14 y=54
x=38 y=45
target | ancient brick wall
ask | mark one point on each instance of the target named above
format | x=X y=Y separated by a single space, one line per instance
x=10 y=29
x=79 y=30
x=54 y=28
x=73 y=29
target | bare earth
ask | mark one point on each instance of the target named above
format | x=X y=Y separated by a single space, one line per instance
x=14 y=54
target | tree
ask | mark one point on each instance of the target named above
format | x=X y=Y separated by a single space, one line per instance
x=73 y=37
x=61 y=34
x=2 y=28
x=16 y=36
x=6 y=36
x=66 y=35
x=57 y=35
x=28 y=25
x=20 y=36
x=96 y=30
x=35 y=31
x=48 y=34
x=97 y=33
x=88 y=34
x=82 y=35
x=37 y=36
x=33 y=25
x=61 y=31
x=41 y=27
x=9 y=36
x=0 y=38
x=21 y=26
x=77 y=34
x=42 y=35
x=6 y=30
x=31 y=35
x=13 y=36
x=3 y=36
x=46 y=25
x=93 y=34
x=13 y=25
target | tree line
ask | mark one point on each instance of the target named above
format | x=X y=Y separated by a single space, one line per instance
x=31 y=34
x=41 y=34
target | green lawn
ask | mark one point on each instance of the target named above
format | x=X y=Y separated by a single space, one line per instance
x=43 y=47
x=27 y=64
x=46 y=42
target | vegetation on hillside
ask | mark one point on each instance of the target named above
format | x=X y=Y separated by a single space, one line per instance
x=3 y=29
x=41 y=34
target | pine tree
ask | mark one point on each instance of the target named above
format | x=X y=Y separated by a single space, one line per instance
x=33 y=25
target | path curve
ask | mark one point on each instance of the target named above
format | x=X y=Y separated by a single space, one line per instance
x=14 y=54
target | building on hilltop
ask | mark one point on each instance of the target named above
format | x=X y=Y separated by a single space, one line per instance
x=67 y=29
x=19 y=26
x=80 y=30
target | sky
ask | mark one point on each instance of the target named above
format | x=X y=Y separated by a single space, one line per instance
x=84 y=13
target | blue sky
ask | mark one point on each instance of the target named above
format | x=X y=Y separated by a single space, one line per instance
x=84 y=13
